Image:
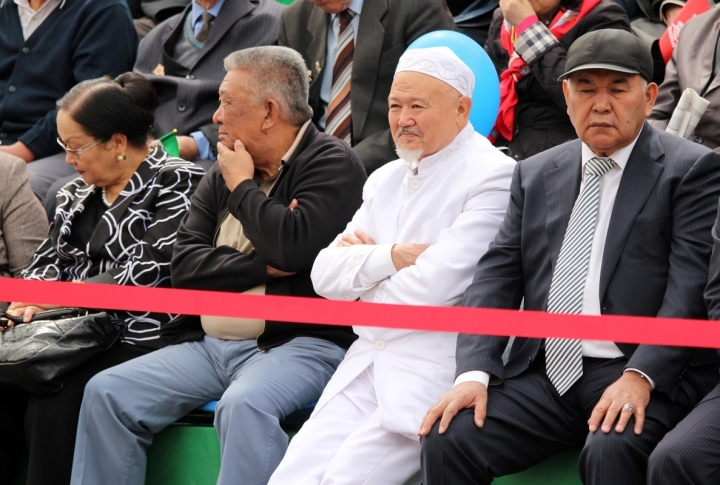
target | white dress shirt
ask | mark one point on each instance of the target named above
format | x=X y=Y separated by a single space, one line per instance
x=31 y=19
x=609 y=184
x=455 y=203
x=332 y=43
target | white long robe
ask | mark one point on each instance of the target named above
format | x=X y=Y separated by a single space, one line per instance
x=455 y=203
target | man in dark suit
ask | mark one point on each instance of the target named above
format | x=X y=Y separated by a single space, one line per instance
x=690 y=453
x=381 y=30
x=617 y=222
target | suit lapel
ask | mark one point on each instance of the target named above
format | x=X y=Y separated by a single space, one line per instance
x=229 y=14
x=562 y=186
x=708 y=56
x=638 y=181
x=368 y=49
x=169 y=40
x=317 y=28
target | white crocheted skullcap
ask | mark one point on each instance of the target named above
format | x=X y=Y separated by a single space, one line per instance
x=441 y=63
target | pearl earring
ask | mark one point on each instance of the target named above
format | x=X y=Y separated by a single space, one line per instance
x=120 y=157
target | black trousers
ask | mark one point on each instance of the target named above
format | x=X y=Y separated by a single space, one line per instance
x=690 y=454
x=528 y=422
x=50 y=421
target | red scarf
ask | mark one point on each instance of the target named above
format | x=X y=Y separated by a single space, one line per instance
x=517 y=68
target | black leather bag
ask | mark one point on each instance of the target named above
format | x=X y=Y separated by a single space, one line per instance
x=35 y=356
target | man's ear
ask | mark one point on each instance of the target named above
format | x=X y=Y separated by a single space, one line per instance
x=566 y=90
x=463 y=109
x=272 y=114
x=651 y=93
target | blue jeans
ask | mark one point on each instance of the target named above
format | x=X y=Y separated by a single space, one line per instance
x=125 y=406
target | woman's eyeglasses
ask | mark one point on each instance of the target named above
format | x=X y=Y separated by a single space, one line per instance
x=77 y=151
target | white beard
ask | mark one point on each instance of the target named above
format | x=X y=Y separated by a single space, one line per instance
x=411 y=156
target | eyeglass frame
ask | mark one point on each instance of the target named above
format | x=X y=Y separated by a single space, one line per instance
x=77 y=151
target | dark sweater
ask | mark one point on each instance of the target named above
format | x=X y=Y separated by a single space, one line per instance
x=82 y=39
x=326 y=177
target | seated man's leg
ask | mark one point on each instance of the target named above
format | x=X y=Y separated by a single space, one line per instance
x=621 y=458
x=343 y=444
x=126 y=405
x=527 y=422
x=690 y=453
x=265 y=388
x=46 y=171
x=374 y=455
x=314 y=446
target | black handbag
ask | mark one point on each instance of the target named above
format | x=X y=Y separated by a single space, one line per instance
x=35 y=356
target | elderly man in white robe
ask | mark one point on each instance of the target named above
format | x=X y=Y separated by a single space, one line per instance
x=424 y=223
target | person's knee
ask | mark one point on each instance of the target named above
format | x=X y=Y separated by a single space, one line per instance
x=100 y=389
x=236 y=403
x=667 y=459
x=436 y=446
x=604 y=447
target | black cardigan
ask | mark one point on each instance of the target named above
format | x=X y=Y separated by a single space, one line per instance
x=326 y=177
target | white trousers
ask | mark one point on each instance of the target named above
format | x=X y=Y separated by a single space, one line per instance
x=343 y=444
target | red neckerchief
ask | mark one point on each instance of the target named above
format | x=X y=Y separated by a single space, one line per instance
x=517 y=68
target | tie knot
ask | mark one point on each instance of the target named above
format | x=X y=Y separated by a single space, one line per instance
x=345 y=17
x=206 y=17
x=599 y=166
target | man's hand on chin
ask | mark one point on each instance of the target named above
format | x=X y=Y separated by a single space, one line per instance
x=236 y=165
x=20 y=150
x=463 y=396
x=627 y=396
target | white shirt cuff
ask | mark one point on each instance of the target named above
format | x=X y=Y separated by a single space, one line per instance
x=652 y=382
x=377 y=266
x=473 y=376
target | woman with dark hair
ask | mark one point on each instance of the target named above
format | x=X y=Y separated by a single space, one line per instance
x=528 y=41
x=115 y=224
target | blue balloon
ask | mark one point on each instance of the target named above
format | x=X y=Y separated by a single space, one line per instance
x=486 y=97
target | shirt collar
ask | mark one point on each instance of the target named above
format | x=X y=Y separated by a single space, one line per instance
x=291 y=151
x=197 y=10
x=356 y=6
x=26 y=4
x=620 y=157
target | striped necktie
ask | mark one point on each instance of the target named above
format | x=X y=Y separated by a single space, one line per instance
x=563 y=357
x=339 y=119
x=205 y=27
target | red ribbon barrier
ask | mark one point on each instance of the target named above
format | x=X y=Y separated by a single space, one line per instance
x=640 y=330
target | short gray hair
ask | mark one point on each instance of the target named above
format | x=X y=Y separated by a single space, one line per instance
x=280 y=74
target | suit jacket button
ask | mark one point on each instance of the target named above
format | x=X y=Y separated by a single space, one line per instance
x=12 y=89
x=26 y=50
x=529 y=360
x=181 y=107
x=190 y=76
x=698 y=139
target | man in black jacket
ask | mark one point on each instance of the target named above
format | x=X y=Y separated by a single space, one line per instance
x=278 y=195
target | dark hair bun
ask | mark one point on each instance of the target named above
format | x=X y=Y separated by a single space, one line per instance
x=105 y=107
x=140 y=91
